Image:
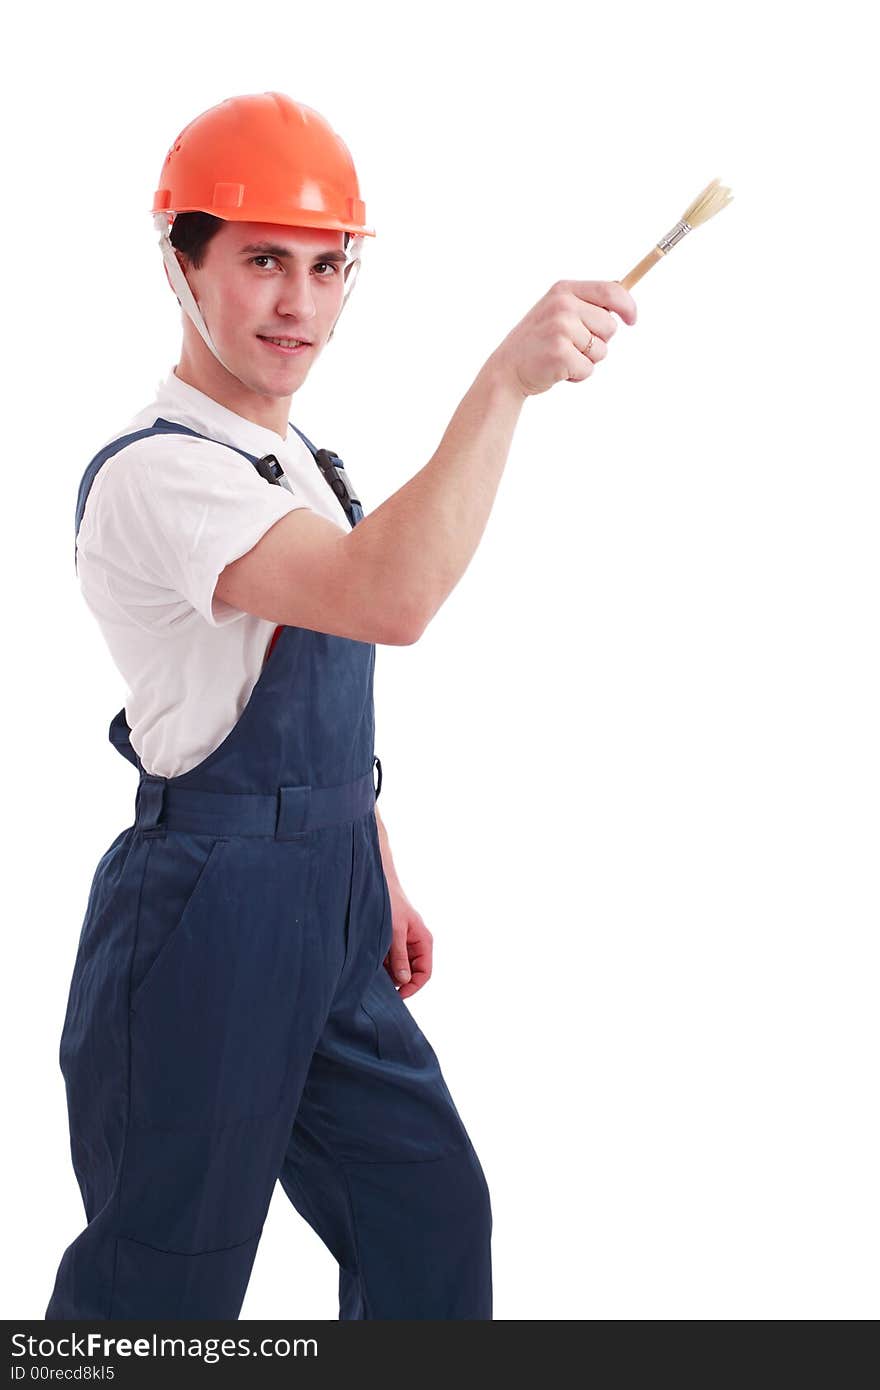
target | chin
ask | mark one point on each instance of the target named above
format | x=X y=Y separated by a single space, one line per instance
x=285 y=379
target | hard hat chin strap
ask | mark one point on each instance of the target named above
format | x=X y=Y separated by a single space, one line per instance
x=180 y=285
x=354 y=260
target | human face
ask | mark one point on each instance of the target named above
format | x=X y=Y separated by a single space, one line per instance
x=261 y=280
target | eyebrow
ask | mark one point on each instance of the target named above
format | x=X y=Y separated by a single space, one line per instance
x=267 y=248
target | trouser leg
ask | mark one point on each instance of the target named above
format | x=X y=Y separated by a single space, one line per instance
x=184 y=1055
x=379 y=1162
x=411 y=1237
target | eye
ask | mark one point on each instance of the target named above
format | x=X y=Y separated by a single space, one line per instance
x=334 y=268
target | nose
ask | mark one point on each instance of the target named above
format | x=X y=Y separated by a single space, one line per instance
x=296 y=297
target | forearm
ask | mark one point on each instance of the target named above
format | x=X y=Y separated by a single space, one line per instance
x=385 y=849
x=413 y=549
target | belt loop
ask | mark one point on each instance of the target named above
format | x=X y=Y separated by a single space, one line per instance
x=294 y=804
x=378 y=764
x=149 y=804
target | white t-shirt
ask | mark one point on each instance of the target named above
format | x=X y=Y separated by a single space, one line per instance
x=163 y=518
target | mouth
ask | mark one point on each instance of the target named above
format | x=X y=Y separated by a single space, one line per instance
x=288 y=347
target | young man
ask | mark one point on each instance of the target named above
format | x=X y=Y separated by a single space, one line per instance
x=234 y=1017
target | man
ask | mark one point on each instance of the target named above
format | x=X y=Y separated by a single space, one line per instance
x=234 y=1016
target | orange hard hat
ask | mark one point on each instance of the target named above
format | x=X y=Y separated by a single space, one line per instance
x=263 y=158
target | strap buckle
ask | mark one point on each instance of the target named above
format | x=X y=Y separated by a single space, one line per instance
x=269 y=468
x=332 y=467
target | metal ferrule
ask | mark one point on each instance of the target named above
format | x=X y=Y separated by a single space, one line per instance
x=672 y=238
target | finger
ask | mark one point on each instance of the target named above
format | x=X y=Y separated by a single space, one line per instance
x=588 y=341
x=610 y=294
x=400 y=960
x=412 y=988
x=594 y=319
x=421 y=965
x=421 y=955
x=419 y=978
x=579 y=365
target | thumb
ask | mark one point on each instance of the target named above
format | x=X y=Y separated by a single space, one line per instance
x=399 y=961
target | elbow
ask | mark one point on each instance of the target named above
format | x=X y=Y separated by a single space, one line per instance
x=406 y=634
x=409 y=627
x=407 y=638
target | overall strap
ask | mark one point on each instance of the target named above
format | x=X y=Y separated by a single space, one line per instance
x=330 y=464
x=333 y=469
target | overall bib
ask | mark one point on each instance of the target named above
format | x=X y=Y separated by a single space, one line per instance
x=230 y=1022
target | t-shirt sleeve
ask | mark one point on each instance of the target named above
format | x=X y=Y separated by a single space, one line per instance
x=174 y=516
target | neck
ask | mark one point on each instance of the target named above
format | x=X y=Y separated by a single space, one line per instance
x=202 y=370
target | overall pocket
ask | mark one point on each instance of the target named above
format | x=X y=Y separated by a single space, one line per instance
x=215 y=1010
x=178 y=876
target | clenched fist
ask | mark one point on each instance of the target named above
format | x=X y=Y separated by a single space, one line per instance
x=565 y=333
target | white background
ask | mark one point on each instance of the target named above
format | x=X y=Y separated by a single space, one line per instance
x=631 y=768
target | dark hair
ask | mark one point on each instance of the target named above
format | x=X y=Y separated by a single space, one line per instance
x=191 y=231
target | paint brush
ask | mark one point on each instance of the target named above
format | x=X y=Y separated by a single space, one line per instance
x=712 y=199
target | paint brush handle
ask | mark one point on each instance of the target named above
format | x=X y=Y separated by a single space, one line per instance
x=642 y=268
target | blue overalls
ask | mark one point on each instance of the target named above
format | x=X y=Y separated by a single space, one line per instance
x=230 y=1022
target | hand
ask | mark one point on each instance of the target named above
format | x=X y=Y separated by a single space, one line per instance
x=412 y=945
x=547 y=345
